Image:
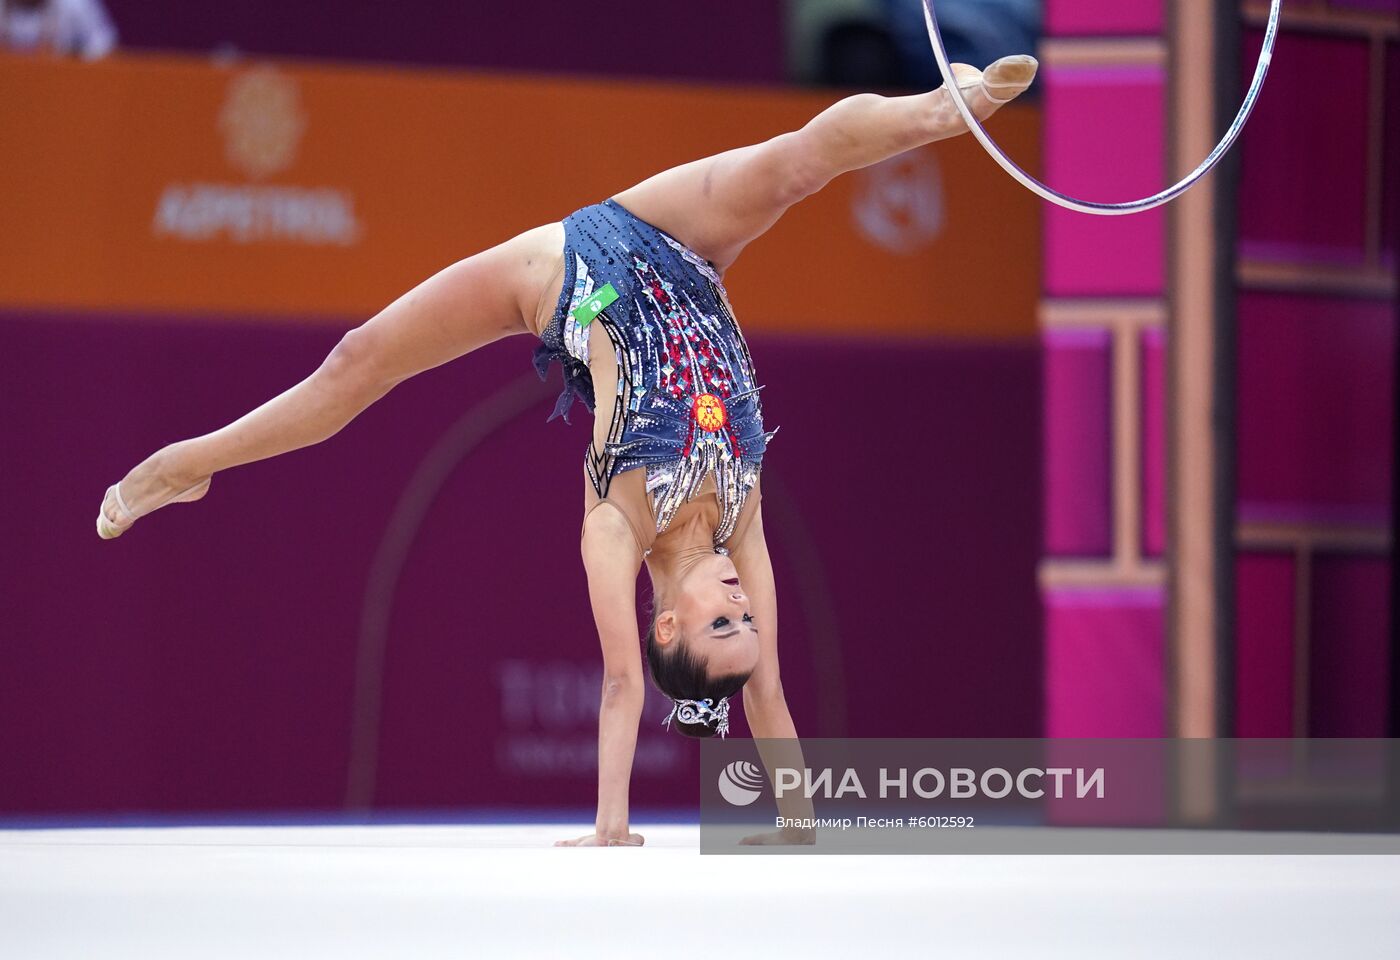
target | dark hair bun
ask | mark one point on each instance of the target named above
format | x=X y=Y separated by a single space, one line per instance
x=700 y=730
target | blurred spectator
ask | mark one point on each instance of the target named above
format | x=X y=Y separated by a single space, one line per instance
x=973 y=31
x=870 y=44
x=64 y=27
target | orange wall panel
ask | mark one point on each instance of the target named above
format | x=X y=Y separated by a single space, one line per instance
x=291 y=190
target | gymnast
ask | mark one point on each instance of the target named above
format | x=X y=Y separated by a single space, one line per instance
x=626 y=292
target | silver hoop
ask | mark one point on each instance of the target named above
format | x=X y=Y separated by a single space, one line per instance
x=1089 y=206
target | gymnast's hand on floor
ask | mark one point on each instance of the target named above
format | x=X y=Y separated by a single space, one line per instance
x=598 y=840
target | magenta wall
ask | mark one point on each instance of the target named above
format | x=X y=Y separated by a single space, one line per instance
x=1104 y=653
x=1104 y=340
x=1316 y=383
x=724 y=41
x=206 y=661
x=1104 y=140
x=1317 y=205
x=1103 y=17
x=1265 y=587
x=1316 y=407
x=1323 y=128
x=1078 y=452
x=1153 y=430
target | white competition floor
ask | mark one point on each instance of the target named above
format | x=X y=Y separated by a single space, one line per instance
x=504 y=891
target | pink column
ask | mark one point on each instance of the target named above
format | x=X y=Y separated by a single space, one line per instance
x=1102 y=578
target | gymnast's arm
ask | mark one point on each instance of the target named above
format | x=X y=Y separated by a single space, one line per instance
x=612 y=560
x=765 y=708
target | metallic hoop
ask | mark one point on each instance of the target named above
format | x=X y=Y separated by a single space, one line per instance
x=1089 y=206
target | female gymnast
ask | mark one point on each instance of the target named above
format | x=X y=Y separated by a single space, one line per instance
x=625 y=292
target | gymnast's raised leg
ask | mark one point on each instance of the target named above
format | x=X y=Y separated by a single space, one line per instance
x=718 y=205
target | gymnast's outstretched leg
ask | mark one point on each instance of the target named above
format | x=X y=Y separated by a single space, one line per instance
x=464 y=306
x=718 y=205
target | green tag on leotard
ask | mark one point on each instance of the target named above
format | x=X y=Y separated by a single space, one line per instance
x=584 y=313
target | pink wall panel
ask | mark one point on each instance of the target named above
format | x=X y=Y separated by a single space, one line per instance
x=1315 y=407
x=1077 y=438
x=1264 y=592
x=1105 y=663
x=1154 y=442
x=1303 y=196
x=1350 y=636
x=1094 y=17
x=1104 y=141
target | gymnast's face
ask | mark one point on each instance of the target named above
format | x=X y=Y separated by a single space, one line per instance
x=711 y=611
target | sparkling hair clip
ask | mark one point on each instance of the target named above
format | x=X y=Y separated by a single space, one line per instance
x=700 y=711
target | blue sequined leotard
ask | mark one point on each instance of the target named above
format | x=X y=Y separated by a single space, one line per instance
x=686 y=400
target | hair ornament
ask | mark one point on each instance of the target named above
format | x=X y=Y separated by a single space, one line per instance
x=700 y=711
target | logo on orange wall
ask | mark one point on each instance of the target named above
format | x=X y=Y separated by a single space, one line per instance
x=898 y=203
x=262 y=121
